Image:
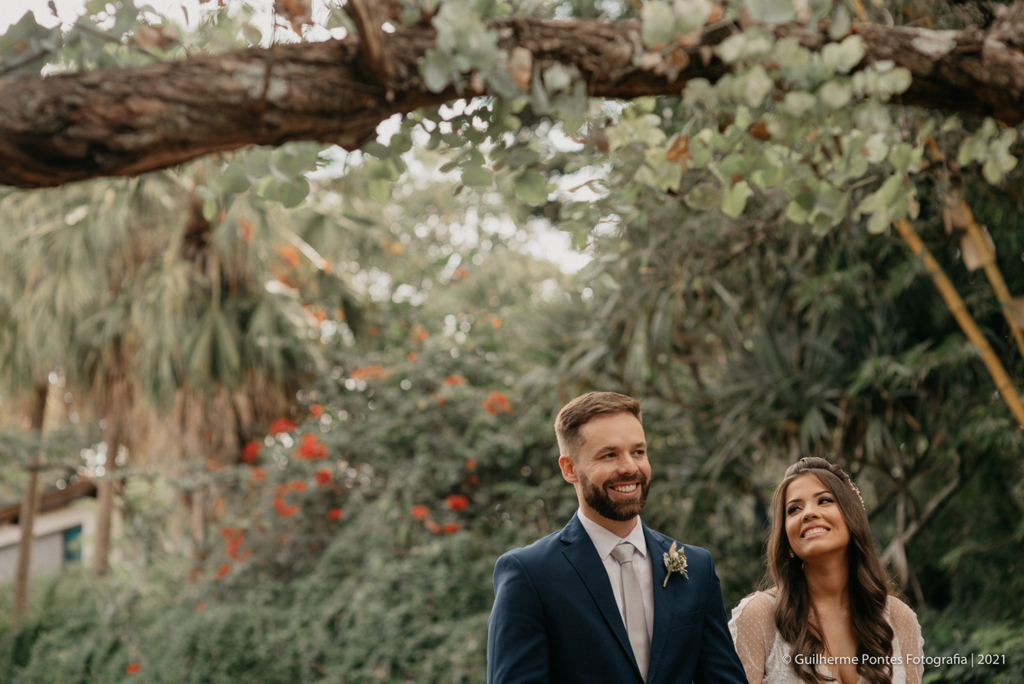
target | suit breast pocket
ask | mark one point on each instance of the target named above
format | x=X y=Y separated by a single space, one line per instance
x=684 y=620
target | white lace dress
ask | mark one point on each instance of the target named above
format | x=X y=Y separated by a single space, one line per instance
x=764 y=653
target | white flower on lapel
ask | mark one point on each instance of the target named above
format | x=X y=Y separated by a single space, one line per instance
x=675 y=561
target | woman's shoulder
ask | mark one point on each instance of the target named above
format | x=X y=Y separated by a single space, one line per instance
x=899 y=613
x=759 y=606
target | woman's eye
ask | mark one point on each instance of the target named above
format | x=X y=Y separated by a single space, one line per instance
x=792 y=510
x=825 y=499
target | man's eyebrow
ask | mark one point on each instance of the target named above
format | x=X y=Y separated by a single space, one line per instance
x=611 y=447
x=824 y=491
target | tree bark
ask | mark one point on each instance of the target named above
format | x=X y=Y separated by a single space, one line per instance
x=105 y=496
x=118 y=403
x=122 y=122
x=27 y=516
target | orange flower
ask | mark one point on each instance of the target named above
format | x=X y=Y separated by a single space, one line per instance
x=459 y=274
x=323 y=476
x=419 y=512
x=335 y=514
x=470 y=463
x=289 y=254
x=451 y=528
x=297 y=486
x=419 y=333
x=374 y=372
x=282 y=425
x=496 y=403
x=201 y=606
x=250 y=451
x=283 y=509
x=233 y=538
x=432 y=526
x=496 y=322
x=311 y=448
x=222 y=571
x=259 y=474
x=316 y=410
x=411 y=358
x=473 y=479
x=454 y=380
x=457 y=502
x=441 y=400
x=133 y=668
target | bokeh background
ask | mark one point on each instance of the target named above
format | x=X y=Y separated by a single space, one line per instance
x=322 y=406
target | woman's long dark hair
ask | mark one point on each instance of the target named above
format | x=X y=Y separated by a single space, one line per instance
x=868 y=583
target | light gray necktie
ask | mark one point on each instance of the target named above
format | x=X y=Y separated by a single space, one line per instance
x=633 y=604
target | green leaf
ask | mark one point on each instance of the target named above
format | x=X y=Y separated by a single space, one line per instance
x=835 y=95
x=842 y=57
x=703 y=196
x=734 y=199
x=435 y=68
x=375 y=149
x=690 y=14
x=657 y=25
x=732 y=49
x=531 y=187
x=798 y=103
x=840 y=24
x=477 y=176
x=232 y=180
x=771 y=11
x=380 y=190
x=757 y=84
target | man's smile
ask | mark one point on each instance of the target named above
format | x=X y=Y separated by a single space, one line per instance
x=626 y=489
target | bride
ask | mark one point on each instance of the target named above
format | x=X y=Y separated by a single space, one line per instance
x=830 y=615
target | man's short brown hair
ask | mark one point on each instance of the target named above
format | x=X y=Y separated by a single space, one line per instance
x=582 y=410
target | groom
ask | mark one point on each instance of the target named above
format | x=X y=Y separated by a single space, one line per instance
x=591 y=602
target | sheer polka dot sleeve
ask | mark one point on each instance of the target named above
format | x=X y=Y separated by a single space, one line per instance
x=907 y=631
x=753 y=631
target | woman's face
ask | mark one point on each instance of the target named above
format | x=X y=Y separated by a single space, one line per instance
x=814 y=523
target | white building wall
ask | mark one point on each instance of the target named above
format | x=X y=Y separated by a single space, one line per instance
x=49 y=528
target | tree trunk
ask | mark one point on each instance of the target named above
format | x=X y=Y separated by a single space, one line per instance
x=105 y=495
x=197 y=524
x=122 y=122
x=26 y=518
x=107 y=487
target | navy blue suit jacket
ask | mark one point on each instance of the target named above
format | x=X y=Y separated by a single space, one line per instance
x=555 y=619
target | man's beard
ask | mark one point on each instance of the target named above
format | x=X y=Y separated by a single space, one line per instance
x=621 y=511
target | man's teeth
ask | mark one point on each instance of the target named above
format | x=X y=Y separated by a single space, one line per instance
x=815 y=531
x=625 y=489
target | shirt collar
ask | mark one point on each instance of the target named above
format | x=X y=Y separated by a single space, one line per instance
x=606 y=540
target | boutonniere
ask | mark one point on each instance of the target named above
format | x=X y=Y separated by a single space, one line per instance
x=675 y=561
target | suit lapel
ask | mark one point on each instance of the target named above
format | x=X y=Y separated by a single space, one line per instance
x=665 y=598
x=581 y=553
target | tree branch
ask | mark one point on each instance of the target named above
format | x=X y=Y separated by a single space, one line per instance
x=122 y=122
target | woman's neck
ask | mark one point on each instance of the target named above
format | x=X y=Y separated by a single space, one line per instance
x=828 y=580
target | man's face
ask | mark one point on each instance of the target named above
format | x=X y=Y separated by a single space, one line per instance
x=611 y=471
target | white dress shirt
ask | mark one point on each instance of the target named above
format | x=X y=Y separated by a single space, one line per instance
x=606 y=540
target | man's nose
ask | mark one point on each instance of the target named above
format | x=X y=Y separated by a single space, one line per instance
x=626 y=465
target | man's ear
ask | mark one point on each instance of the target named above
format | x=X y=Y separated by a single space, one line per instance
x=568 y=467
